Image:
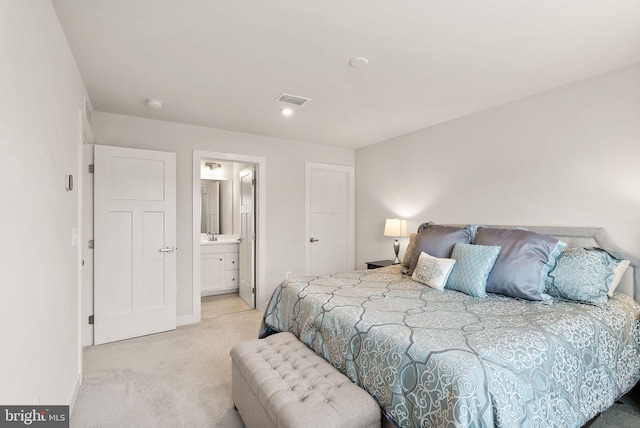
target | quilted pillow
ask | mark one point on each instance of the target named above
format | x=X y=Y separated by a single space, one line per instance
x=432 y=271
x=583 y=275
x=438 y=241
x=473 y=264
x=525 y=260
x=406 y=259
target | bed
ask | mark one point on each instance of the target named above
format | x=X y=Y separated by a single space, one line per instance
x=439 y=357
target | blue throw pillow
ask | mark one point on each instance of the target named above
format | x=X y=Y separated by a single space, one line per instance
x=525 y=260
x=583 y=275
x=472 y=267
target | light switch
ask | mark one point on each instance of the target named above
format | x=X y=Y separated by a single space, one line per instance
x=74 y=236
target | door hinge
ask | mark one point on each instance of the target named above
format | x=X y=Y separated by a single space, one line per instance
x=253 y=181
x=253 y=290
x=91 y=169
x=253 y=236
x=91 y=244
x=90 y=319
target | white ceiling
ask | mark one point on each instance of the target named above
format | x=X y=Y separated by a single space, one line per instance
x=222 y=63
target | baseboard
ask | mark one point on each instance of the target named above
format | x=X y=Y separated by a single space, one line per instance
x=75 y=392
x=205 y=293
x=187 y=319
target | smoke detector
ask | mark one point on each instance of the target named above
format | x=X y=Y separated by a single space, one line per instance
x=358 y=62
x=154 y=103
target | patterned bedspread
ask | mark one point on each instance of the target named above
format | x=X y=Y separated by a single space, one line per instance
x=444 y=359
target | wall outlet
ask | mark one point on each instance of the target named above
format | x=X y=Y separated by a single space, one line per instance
x=287 y=275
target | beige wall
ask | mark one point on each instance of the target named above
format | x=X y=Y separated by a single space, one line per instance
x=41 y=95
x=566 y=157
x=285 y=169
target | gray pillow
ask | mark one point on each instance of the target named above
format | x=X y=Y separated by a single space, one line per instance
x=525 y=260
x=437 y=241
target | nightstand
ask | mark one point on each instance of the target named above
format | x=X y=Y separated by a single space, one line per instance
x=379 y=264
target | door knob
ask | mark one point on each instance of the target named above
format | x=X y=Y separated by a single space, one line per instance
x=167 y=249
x=313 y=240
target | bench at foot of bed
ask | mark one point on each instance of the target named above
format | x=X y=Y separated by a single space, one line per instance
x=279 y=382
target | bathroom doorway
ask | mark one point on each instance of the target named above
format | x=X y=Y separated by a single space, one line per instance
x=218 y=222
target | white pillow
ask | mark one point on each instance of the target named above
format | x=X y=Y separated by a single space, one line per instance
x=432 y=271
x=618 y=272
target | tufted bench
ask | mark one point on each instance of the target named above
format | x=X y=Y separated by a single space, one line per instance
x=279 y=382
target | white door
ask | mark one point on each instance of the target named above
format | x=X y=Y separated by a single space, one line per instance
x=247 y=236
x=135 y=236
x=329 y=209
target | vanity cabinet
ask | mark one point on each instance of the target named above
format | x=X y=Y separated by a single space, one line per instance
x=219 y=268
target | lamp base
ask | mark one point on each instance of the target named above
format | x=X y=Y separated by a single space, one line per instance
x=396 y=249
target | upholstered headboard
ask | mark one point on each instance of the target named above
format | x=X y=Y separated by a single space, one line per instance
x=595 y=237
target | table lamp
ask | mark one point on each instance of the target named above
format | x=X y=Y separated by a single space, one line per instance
x=396 y=228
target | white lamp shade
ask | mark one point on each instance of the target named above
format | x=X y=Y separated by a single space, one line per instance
x=395 y=227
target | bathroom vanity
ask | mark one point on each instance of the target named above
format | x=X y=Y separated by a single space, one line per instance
x=219 y=267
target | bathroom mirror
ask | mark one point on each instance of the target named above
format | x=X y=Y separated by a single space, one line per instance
x=216 y=206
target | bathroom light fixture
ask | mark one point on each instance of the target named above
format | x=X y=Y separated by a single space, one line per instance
x=213 y=166
x=286 y=112
x=154 y=103
x=396 y=228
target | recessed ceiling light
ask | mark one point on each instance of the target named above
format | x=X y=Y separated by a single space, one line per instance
x=286 y=112
x=358 y=62
x=154 y=103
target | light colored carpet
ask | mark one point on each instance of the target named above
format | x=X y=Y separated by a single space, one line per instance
x=182 y=378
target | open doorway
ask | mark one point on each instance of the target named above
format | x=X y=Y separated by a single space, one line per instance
x=227 y=229
x=228 y=249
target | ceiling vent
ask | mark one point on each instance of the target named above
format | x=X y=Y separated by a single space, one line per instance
x=293 y=99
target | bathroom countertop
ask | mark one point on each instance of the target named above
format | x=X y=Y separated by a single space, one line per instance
x=223 y=241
